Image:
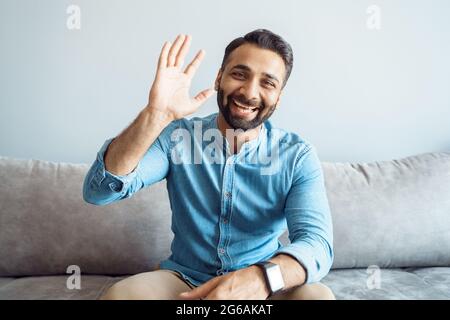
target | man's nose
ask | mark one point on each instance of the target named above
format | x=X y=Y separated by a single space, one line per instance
x=250 y=90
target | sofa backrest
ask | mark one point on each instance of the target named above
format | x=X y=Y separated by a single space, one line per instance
x=45 y=225
x=390 y=214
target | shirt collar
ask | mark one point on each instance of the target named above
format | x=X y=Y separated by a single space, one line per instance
x=247 y=146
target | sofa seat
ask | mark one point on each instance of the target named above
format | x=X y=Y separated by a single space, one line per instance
x=54 y=287
x=347 y=284
x=397 y=283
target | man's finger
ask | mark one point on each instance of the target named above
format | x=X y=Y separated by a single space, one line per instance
x=183 y=51
x=193 y=66
x=201 y=291
x=162 y=62
x=174 y=50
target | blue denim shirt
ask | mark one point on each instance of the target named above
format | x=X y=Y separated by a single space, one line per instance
x=228 y=210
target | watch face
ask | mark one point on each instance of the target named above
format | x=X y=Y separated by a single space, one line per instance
x=275 y=278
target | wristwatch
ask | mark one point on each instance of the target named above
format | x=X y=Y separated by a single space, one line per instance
x=273 y=276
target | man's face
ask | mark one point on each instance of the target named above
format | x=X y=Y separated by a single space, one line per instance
x=249 y=87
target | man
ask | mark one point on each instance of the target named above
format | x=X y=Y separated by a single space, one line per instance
x=234 y=181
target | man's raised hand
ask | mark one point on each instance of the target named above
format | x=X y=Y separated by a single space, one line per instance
x=170 y=90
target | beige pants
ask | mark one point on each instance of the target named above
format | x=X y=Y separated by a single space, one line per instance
x=167 y=285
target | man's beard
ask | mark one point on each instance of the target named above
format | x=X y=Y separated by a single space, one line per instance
x=239 y=123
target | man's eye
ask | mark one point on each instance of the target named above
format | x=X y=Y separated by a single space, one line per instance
x=270 y=84
x=238 y=74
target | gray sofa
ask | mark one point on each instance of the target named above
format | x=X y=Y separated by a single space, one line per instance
x=391 y=230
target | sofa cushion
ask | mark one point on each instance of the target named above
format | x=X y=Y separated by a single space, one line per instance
x=54 y=288
x=437 y=277
x=396 y=284
x=408 y=283
x=391 y=213
x=45 y=225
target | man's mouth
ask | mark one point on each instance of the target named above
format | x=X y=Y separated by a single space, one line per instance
x=243 y=108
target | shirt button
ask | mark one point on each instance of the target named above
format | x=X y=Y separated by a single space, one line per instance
x=221 y=251
x=228 y=194
x=225 y=221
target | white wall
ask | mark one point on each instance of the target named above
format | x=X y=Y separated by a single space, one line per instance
x=357 y=94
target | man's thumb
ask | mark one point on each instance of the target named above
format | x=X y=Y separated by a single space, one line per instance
x=203 y=96
x=201 y=291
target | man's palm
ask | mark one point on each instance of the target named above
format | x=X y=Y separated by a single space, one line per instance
x=170 y=90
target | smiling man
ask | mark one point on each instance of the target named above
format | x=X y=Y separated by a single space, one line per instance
x=227 y=214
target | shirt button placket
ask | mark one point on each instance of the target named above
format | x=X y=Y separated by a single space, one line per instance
x=225 y=212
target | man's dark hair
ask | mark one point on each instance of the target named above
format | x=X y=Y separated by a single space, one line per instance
x=264 y=39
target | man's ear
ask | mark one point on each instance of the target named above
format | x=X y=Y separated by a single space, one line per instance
x=218 y=78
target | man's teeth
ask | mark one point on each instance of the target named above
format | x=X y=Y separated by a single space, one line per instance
x=243 y=106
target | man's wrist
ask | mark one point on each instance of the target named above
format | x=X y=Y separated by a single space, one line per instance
x=261 y=278
x=294 y=273
x=158 y=116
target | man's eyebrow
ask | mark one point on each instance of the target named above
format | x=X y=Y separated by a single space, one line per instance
x=247 y=68
x=242 y=66
x=271 y=76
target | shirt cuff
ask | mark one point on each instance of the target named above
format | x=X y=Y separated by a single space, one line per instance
x=117 y=183
x=303 y=254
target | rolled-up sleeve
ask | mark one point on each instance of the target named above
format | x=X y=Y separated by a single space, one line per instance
x=308 y=218
x=102 y=187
